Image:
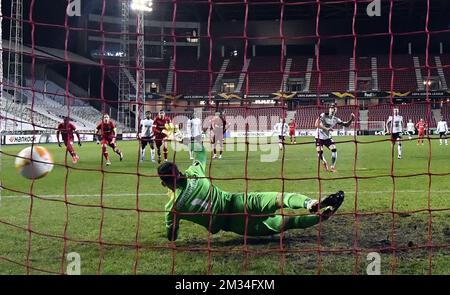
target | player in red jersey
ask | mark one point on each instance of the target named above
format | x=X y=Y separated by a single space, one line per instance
x=292 y=127
x=421 y=125
x=160 y=133
x=218 y=129
x=67 y=129
x=106 y=132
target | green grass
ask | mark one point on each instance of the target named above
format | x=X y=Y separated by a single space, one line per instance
x=341 y=247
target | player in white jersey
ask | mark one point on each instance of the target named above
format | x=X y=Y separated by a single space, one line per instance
x=145 y=136
x=394 y=126
x=193 y=133
x=281 y=128
x=325 y=124
x=442 y=129
x=410 y=128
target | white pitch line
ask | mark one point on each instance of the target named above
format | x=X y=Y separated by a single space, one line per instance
x=163 y=194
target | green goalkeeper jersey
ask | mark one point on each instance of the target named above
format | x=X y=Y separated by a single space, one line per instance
x=199 y=202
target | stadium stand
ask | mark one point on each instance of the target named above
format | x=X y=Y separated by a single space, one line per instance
x=262 y=82
x=258 y=119
x=445 y=111
x=189 y=82
x=157 y=71
x=404 y=77
x=445 y=59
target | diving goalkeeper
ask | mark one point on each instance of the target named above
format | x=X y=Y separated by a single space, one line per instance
x=194 y=198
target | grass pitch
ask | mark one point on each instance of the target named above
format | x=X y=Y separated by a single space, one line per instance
x=115 y=219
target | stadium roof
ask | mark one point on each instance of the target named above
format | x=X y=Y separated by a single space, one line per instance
x=52 y=54
x=27 y=50
x=71 y=57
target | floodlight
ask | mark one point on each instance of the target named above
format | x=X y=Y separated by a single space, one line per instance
x=142 y=5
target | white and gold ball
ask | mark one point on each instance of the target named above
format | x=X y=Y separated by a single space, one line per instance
x=34 y=163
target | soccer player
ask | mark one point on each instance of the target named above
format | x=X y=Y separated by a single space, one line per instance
x=106 y=132
x=159 y=129
x=193 y=133
x=194 y=198
x=325 y=124
x=421 y=125
x=281 y=129
x=67 y=129
x=394 y=125
x=218 y=129
x=410 y=128
x=145 y=136
x=292 y=127
x=442 y=128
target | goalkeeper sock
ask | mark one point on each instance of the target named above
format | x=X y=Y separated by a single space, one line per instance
x=295 y=201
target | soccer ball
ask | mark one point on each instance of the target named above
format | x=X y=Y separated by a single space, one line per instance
x=34 y=163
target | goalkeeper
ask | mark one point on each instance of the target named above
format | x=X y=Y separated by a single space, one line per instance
x=194 y=198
